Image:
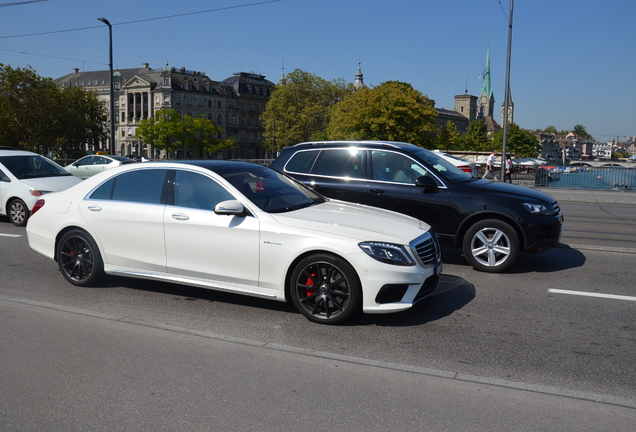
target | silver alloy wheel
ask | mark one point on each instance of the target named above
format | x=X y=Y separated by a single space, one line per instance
x=18 y=212
x=490 y=247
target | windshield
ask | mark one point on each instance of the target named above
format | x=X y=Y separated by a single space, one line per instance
x=32 y=166
x=443 y=167
x=269 y=190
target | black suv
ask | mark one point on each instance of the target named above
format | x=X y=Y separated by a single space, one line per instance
x=492 y=221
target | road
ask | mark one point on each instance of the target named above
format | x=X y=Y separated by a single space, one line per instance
x=527 y=345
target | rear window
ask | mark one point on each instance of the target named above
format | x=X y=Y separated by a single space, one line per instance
x=301 y=162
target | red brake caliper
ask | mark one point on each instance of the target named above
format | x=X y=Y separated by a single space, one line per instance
x=310 y=282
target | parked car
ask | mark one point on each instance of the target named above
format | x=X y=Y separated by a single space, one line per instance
x=24 y=178
x=493 y=222
x=137 y=158
x=463 y=164
x=90 y=165
x=242 y=228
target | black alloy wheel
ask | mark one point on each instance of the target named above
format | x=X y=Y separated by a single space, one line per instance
x=326 y=289
x=18 y=212
x=79 y=259
x=491 y=246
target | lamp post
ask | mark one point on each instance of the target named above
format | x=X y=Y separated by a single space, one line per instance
x=507 y=97
x=112 y=90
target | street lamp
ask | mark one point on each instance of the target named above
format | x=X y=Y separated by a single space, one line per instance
x=507 y=96
x=112 y=90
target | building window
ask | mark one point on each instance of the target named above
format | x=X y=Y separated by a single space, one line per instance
x=218 y=104
x=166 y=81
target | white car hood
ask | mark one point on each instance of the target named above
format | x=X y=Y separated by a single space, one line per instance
x=52 y=184
x=355 y=221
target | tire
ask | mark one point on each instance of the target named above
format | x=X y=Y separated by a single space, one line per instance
x=19 y=212
x=325 y=289
x=78 y=259
x=491 y=246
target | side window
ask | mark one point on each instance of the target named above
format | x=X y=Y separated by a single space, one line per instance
x=301 y=162
x=194 y=190
x=143 y=186
x=98 y=160
x=4 y=177
x=85 y=161
x=340 y=163
x=396 y=168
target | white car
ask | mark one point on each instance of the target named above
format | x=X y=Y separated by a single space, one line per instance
x=90 y=165
x=464 y=165
x=24 y=178
x=242 y=228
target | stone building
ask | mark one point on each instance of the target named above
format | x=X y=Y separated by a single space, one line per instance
x=234 y=104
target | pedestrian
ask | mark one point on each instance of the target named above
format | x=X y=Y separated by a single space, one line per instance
x=490 y=165
x=508 y=175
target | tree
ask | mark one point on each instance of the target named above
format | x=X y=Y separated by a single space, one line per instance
x=169 y=131
x=581 y=132
x=298 y=109
x=36 y=115
x=392 y=111
x=448 y=137
x=520 y=142
x=476 y=138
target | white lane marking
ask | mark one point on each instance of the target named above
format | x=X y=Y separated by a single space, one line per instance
x=10 y=235
x=588 y=294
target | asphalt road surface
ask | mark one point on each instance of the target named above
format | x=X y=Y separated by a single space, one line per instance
x=549 y=346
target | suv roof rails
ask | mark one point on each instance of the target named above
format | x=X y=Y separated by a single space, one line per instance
x=394 y=144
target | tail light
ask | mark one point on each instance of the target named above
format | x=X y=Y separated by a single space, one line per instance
x=37 y=206
x=465 y=168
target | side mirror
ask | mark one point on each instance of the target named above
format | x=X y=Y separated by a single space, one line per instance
x=427 y=183
x=230 y=207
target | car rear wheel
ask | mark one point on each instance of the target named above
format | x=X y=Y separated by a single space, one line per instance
x=79 y=259
x=491 y=246
x=18 y=212
x=326 y=289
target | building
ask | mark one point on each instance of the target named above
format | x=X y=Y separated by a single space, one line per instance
x=234 y=104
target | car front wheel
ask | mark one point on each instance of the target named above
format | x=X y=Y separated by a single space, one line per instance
x=325 y=289
x=18 y=212
x=79 y=259
x=491 y=246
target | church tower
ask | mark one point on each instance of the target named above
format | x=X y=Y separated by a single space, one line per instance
x=511 y=109
x=486 y=98
x=359 y=83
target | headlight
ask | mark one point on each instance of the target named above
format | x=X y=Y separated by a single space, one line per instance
x=537 y=209
x=388 y=253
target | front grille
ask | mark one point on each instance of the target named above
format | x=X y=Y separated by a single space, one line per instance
x=426 y=248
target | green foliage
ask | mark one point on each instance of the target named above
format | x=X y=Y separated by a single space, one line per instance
x=476 y=137
x=37 y=115
x=520 y=142
x=298 y=109
x=393 y=111
x=169 y=131
x=581 y=132
x=448 y=137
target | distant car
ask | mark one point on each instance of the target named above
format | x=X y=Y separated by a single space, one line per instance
x=24 y=178
x=90 y=165
x=137 y=158
x=493 y=222
x=464 y=165
x=241 y=228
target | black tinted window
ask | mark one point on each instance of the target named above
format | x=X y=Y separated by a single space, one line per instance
x=340 y=163
x=143 y=186
x=301 y=162
x=198 y=191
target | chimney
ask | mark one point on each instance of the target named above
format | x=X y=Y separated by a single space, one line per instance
x=146 y=65
x=75 y=70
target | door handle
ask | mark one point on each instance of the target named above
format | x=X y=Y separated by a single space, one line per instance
x=377 y=191
x=180 y=216
x=94 y=208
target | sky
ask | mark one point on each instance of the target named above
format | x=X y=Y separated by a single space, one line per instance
x=572 y=61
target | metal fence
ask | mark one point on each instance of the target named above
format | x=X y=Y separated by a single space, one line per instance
x=603 y=178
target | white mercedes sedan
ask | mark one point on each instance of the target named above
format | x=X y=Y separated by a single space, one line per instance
x=240 y=228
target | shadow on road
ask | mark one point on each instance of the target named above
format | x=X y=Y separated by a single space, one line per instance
x=553 y=260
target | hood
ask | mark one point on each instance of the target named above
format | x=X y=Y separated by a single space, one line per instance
x=355 y=221
x=507 y=190
x=52 y=184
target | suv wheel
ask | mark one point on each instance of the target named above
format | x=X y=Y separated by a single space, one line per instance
x=491 y=246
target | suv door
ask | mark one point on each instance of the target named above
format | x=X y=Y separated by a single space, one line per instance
x=337 y=173
x=391 y=185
